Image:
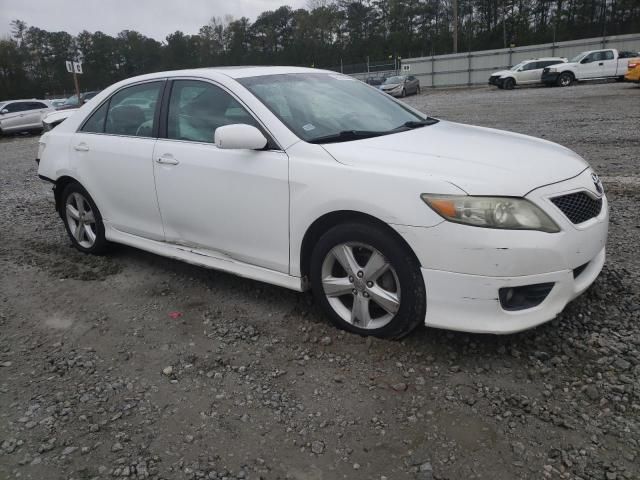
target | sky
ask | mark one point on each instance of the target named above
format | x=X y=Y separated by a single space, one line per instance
x=153 y=18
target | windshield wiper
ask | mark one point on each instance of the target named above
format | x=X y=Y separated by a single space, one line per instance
x=346 y=135
x=418 y=123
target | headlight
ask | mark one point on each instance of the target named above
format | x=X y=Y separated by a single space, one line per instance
x=551 y=69
x=491 y=212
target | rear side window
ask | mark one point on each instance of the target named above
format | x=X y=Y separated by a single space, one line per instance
x=607 y=55
x=132 y=110
x=36 y=106
x=197 y=109
x=95 y=124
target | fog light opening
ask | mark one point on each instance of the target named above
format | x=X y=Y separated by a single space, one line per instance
x=524 y=297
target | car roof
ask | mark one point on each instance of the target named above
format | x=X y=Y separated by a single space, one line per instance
x=231 y=71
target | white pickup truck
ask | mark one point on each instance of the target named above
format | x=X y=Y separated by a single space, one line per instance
x=591 y=65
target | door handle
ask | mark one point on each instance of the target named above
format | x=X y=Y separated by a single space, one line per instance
x=601 y=64
x=81 y=147
x=167 y=159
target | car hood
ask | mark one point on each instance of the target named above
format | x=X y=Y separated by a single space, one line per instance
x=501 y=73
x=480 y=161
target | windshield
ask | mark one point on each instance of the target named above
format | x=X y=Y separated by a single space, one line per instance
x=393 y=80
x=318 y=105
x=578 y=57
x=71 y=100
x=516 y=67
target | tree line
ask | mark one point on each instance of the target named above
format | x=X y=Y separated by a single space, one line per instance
x=326 y=34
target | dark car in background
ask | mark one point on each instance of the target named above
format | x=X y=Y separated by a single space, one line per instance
x=401 y=85
x=72 y=101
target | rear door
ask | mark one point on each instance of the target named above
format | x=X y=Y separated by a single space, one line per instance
x=113 y=155
x=609 y=63
x=33 y=114
x=531 y=73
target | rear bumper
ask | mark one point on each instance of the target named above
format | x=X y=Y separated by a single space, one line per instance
x=470 y=303
x=550 y=77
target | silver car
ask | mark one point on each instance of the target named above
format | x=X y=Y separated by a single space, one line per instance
x=401 y=85
x=22 y=115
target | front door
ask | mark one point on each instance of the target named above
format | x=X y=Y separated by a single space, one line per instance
x=113 y=153
x=235 y=202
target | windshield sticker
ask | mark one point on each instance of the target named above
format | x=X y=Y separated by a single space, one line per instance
x=308 y=127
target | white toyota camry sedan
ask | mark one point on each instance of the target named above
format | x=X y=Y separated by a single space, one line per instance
x=310 y=179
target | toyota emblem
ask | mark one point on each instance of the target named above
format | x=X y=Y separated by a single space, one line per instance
x=597 y=183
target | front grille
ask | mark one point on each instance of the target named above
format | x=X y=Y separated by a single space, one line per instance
x=578 y=207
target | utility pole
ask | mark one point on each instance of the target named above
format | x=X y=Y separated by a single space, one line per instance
x=504 y=25
x=455 y=26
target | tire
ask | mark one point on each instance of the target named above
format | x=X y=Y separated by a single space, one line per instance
x=565 y=79
x=418 y=90
x=499 y=85
x=404 y=93
x=82 y=220
x=509 y=83
x=352 y=304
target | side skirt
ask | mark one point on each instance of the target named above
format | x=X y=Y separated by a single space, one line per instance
x=209 y=259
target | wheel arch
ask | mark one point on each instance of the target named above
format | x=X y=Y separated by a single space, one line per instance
x=338 y=217
x=58 y=187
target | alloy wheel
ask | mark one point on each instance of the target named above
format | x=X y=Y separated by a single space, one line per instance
x=81 y=220
x=361 y=285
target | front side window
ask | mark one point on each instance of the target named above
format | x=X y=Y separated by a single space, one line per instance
x=95 y=124
x=318 y=105
x=197 y=109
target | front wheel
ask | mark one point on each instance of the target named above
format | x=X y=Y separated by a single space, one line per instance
x=404 y=93
x=418 y=90
x=565 y=79
x=367 y=282
x=509 y=84
x=82 y=220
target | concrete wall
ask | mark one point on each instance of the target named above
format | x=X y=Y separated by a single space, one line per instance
x=473 y=68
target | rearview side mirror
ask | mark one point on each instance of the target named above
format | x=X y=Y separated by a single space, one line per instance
x=239 y=137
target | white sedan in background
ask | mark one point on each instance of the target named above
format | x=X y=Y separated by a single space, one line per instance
x=309 y=179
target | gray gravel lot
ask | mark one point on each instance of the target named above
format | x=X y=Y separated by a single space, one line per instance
x=98 y=381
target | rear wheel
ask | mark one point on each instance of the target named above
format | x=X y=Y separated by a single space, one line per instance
x=565 y=79
x=509 y=83
x=367 y=282
x=82 y=220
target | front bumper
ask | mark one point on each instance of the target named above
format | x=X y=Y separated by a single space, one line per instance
x=470 y=303
x=465 y=267
x=396 y=92
x=550 y=77
x=495 y=80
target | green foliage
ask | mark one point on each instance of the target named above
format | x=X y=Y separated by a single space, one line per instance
x=324 y=35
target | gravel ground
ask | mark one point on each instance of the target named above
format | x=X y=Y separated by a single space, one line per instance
x=97 y=380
